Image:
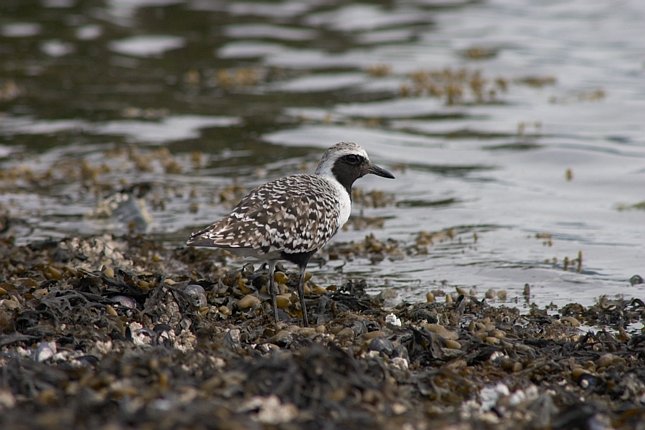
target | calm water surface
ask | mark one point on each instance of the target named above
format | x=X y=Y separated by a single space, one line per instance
x=519 y=124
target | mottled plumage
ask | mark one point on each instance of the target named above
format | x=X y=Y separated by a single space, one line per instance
x=292 y=217
x=295 y=214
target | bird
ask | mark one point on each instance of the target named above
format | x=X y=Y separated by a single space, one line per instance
x=292 y=217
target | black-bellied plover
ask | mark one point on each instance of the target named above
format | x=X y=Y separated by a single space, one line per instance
x=292 y=217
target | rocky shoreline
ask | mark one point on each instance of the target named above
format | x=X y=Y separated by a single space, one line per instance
x=121 y=332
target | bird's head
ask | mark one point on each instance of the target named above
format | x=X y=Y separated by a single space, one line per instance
x=346 y=162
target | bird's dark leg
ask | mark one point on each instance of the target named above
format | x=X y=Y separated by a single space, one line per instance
x=272 y=289
x=301 y=294
x=301 y=259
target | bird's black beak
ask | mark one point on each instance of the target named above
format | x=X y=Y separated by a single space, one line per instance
x=379 y=171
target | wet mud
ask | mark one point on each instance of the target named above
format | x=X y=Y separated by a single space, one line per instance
x=123 y=332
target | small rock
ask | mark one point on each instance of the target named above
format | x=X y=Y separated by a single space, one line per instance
x=125 y=301
x=373 y=334
x=283 y=301
x=44 y=351
x=452 y=344
x=384 y=346
x=399 y=408
x=108 y=272
x=499 y=334
x=269 y=410
x=607 y=359
x=282 y=338
x=570 y=321
x=636 y=280
x=491 y=340
x=111 y=311
x=197 y=294
x=280 y=277
x=307 y=331
x=233 y=338
x=7 y=399
x=393 y=320
x=441 y=331
x=346 y=333
x=400 y=363
x=248 y=301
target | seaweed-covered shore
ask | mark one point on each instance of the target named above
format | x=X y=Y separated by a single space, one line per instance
x=109 y=332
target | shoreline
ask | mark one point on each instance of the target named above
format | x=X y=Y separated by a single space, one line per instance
x=108 y=332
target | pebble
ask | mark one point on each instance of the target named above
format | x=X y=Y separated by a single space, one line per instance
x=11 y=304
x=400 y=363
x=510 y=365
x=269 y=410
x=125 y=301
x=393 y=320
x=7 y=399
x=52 y=273
x=499 y=334
x=111 y=311
x=607 y=360
x=144 y=285
x=461 y=291
x=248 y=301
x=577 y=372
x=491 y=340
x=108 y=272
x=44 y=351
x=636 y=280
x=316 y=289
x=233 y=338
x=280 y=277
x=373 y=334
x=346 y=334
x=283 y=301
x=283 y=338
x=307 y=331
x=381 y=345
x=452 y=344
x=588 y=380
x=399 y=408
x=441 y=331
x=570 y=321
x=40 y=293
x=197 y=294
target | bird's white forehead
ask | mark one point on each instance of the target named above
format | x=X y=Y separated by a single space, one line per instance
x=342 y=149
x=334 y=153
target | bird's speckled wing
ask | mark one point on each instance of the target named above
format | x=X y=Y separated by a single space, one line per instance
x=294 y=214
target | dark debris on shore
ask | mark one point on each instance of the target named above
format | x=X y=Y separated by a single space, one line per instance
x=114 y=333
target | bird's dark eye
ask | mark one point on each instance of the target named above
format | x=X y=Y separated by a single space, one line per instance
x=353 y=159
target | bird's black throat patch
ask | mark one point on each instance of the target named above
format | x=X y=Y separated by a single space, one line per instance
x=347 y=172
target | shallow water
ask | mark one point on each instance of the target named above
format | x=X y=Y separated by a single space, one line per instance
x=519 y=124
